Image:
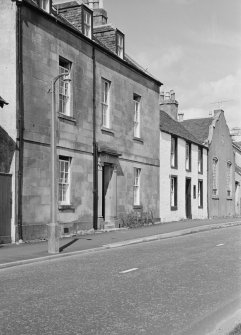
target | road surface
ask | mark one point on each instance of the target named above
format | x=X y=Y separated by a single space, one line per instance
x=183 y=285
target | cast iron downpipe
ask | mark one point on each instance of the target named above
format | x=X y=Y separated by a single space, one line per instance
x=20 y=114
x=95 y=150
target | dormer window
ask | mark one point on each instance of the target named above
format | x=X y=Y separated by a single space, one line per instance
x=120 y=44
x=44 y=4
x=87 y=22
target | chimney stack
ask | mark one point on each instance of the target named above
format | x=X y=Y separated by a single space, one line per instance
x=99 y=13
x=169 y=104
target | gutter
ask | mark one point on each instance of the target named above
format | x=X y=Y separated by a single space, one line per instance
x=20 y=118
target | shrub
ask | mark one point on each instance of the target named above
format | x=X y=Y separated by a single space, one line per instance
x=136 y=219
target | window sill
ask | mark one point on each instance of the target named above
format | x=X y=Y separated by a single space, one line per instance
x=200 y=172
x=66 y=118
x=229 y=198
x=188 y=170
x=174 y=208
x=137 y=206
x=66 y=208
x=107 y=131
x=138 y=140
x=200 y=207
x=215 y=197
x=174 y=167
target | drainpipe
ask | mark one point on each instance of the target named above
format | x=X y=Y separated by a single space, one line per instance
x=20 y=115
x=95 y=150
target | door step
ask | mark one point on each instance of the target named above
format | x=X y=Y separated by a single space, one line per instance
x=109 y=226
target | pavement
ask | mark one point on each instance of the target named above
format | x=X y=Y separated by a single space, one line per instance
x=36 y=251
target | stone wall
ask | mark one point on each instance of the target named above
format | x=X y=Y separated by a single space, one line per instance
x=44 y=42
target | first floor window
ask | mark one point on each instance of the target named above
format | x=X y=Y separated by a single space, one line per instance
x=64 y=180
x=215 y=176
x=229 y=179
x=173 y=192
x=137 y=116
x=200 y=160
x=188 y=156
x=137 y=176
x=200 y=193
x=64 y=87
x=173 y=152
x=105 y=101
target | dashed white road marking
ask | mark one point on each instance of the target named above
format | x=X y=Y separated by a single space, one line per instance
x=219 y=245
x=130 y=270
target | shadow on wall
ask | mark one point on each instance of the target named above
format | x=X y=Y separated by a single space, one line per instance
x=7 y=148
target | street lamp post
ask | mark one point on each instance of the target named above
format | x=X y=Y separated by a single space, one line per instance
x=53 y=227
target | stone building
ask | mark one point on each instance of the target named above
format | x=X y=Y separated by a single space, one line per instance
x=108 y=117
x=236 y=139
x=7 y=148
x=183 y=167
x=214 y=132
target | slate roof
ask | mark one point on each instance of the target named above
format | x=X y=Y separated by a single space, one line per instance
x=2 y=102
x=198 y=127
x=170 y=126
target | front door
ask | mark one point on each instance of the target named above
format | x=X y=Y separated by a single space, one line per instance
x=108 y=192
x=5 y=207
x=237 y=198
x=188 y=199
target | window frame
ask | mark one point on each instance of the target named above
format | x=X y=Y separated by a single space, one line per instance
x=61 y=200
x=137 y=115
x=64 y=100
x=215 y=174
x=173 y=192
x=88 y=11
x=188 y=156
x=105 y=103
x=200 y=160
x=44 y=5
x=229 y=170
x=137 y=187
x=174 y=154
x=120 y=48
x=200 y=193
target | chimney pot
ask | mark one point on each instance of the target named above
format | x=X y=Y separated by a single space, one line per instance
x=180 y=117
x=162 y=95
x=172 y=95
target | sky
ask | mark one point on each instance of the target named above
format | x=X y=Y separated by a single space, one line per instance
x=191 y=46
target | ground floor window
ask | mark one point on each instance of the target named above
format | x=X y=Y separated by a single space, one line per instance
x=200 y=194
x=64 y=180
x=173 y=192
x=136 y=187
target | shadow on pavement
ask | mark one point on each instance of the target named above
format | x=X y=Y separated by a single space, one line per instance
x=67 y=245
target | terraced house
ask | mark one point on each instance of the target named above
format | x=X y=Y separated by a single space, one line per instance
x=183 y=166
x=107 y=114
x=214 y=133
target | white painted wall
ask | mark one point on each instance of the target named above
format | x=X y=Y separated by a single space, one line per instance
x=166 y=214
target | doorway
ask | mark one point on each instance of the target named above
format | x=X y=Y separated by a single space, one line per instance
x=188 y=198
x=108 y=192
x=237 y=198
x=5 y=207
